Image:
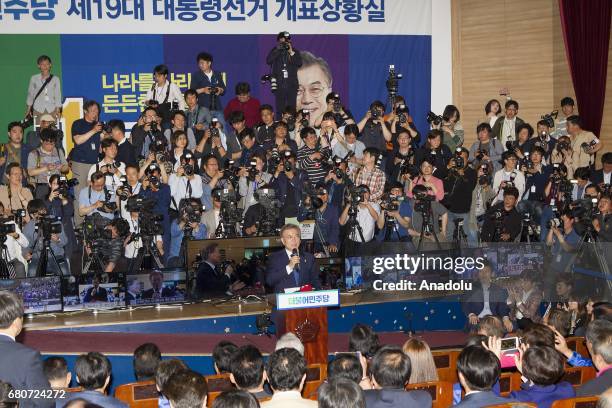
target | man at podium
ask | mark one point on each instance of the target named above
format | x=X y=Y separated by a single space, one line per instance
x=289 y=268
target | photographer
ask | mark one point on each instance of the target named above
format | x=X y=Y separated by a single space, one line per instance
x=427 y=215
x=261 y=217
x=133 y=247
x=482 y=196
x=563 y=154
x=249 y=147
x=502 y=222
x=563 y=241
x=45 y=161
x=281 y=140
x=213 y=178
x=33 y=231
x=251 y=179
x=366 y=216
x=567 y=110
x=97 y=199
x=335 y=185
x=109 y=166
x=213 y=141
x=434 y=185
x=178 y=147
x=209 y=85
x=130 y=186
x=451 y=126
x=435 y=152
x=584 y=143
x=14 y=196
x=543 y=139
x=197 y=117
x=326 y=234
x=112 y=245
x=370 y=175
x=189 y=226
x=341 y=115
x=394 y=219
x=14 y=151
x=179 y=122
x=284 y=62
x=15 y=243
x=582 y=176
x=245 y=103
x=603 y=221
x=537 y=175
x=154 y=189
x=523 y=143
x=125 y=150
x=86 y=137
x=289 y=183
x=458 y=188
x=508 y=176
x=32 y=138
x=232 y=140
x=403 y=163
x=374 y=131
x=401 y=119
x=486 y=150
x=185 y=183
x=313 y=155
x=212 y=215
x=146 y=132
x=349 y=144
x=603 y=176
x=264 y=130
x=163 y=94
x=44 y=91
x=504 y=129
x=60 y=204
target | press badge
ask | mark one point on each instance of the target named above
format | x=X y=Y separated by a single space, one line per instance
x=285 y=74
x=93 y=146
x=533 y=189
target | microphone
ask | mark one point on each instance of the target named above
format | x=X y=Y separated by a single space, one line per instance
x=295 y=253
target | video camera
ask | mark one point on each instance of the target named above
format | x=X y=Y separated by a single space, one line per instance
x=48 y=225
x=402 y=113
x=94 y=229
x=150 y=224
x=7 y=226
x=584 y=209
x=391 y=202
x=356 y=194
x=19 y=215
x=64 y=185
x=423 y=200
x=392 y=82
x=549 y=118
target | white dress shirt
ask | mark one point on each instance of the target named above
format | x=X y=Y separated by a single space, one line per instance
x=503 y=175
x=179 y=188
x=175 y=94
x=486 y=308
x=112 y=182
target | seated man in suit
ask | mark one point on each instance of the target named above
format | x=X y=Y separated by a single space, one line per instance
x=210 y=281
x=186 y=389
x=340 y=393
x=93 y=371
x=599 y=344
x=20 y=366
x=56 y=371
x=96 y=293
x=286 y=371
x=603 y=176
x=157 y=290
x=486 y=299
x=286 y=268
x=479 y=370
x=390 y=371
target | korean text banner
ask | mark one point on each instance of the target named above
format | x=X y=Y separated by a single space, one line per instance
x=405 y=17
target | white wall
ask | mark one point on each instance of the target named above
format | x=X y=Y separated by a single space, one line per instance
x=441 y=55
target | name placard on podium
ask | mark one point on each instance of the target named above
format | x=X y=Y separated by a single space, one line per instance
x=303 y=300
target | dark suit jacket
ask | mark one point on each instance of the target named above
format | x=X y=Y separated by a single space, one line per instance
x=597 y=177
x=93 y=397
x=392 y=398
x=474 y=301
x=210 y=282
x=279 y=280
x=101 y=295
x=596 y=386
x=499 y=125
x=482 y=399
x=165 y=292
x=544 y=396
x=21 y=366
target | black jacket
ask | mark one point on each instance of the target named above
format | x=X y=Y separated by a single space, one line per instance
x=393 y=398
x=279 y=59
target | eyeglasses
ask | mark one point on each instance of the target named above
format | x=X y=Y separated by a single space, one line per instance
x=314 y=90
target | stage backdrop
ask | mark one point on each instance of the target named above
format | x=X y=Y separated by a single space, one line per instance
x=106 y=50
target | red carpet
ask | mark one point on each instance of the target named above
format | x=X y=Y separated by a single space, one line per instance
x=183 y=344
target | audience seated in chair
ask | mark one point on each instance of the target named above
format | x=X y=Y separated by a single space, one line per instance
x=166 y=369
x=421 y=361
x=93 y=372
x=247 y=371
x=599 y=343
x=222 y=356
x=146 y=359
x=341 y=393
x=7 y=389
x=286 y=371
x=364 y=340
x=490 y=326
x=479 y=370
x=290 y=340
x=543 y=367
x=56 y=371
x=390 y=372
x=236 y=399
x=186 y=389
x=349 y=366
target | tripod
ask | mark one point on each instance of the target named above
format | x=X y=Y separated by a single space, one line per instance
x=427 y=228
x=41 y=268
x=390 y=228
x=352 y=224
x=7 y=269
x=589 y=238
x=459 y=235
x=149 y=251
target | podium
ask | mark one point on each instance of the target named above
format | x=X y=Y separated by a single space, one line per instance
x=305 y=314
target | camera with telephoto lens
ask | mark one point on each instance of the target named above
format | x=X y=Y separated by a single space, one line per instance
x=434 y=119
x=392 y=82
x=191 y=212
x=48 y=225
x=305 y=118
x=402 y=113
x=480 y=154
x=188 y=167
x=458 y=159
x=109 y=205
x=563 y=146
x=213 y=91
x=485 y=178
x=252 y=170
x=422 y=199
x=586 y=147
x=555 y=223
x=391 y=202
x=549 y=118
x=214 y=130
x=125 y=191
x=19 y=215
x=272 y=80
x=336 y=105
x=405 y=167
x=64 y=185
x=230 y=172
x=526 y=162
x=159 y=143
x=106 y=127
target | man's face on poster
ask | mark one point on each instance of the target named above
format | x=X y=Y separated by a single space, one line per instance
x=314 y=86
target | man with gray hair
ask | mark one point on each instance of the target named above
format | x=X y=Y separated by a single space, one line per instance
x=599 y=343
x=20 y=366
x=290 y=340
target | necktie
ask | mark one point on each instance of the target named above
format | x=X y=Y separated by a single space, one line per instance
x=296 y=275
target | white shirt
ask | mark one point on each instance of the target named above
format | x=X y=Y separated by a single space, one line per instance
x=49 y=99
x=175 y=94
x=575 y=195
x=111 y=182
x=289 y=254
x=123 y=205
x=6 y=335
x=508 y=130
x=15 y=246
x=486 y=309
x=131 y=249
x=367 y=223
x=607 y=177
x=178 y=188
x=503 y=175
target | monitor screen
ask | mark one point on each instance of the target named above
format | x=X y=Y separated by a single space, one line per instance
x=94 y=291
x=157 y=287
x=40 y=295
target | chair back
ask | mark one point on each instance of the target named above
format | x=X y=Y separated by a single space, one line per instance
x=508 y=382
x=216 y=385
x=142 y=394
x=74 y=389
x=315 y=375
x=578 y=402
x=578 y=375
x=446 y=364
x=514 y=404
x=578 y=344
x=441 y=392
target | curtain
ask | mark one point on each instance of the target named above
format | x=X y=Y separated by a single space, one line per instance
x=586 y=33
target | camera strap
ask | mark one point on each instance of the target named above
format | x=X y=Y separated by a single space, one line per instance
x=154 y=89
x=38 y=93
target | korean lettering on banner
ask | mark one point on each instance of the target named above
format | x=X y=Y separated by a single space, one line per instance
x=113 y=9
x=332 y=10
x=41 y=9
x=126 y=93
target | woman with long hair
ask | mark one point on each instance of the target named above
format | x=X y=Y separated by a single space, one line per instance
x=422 y=362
